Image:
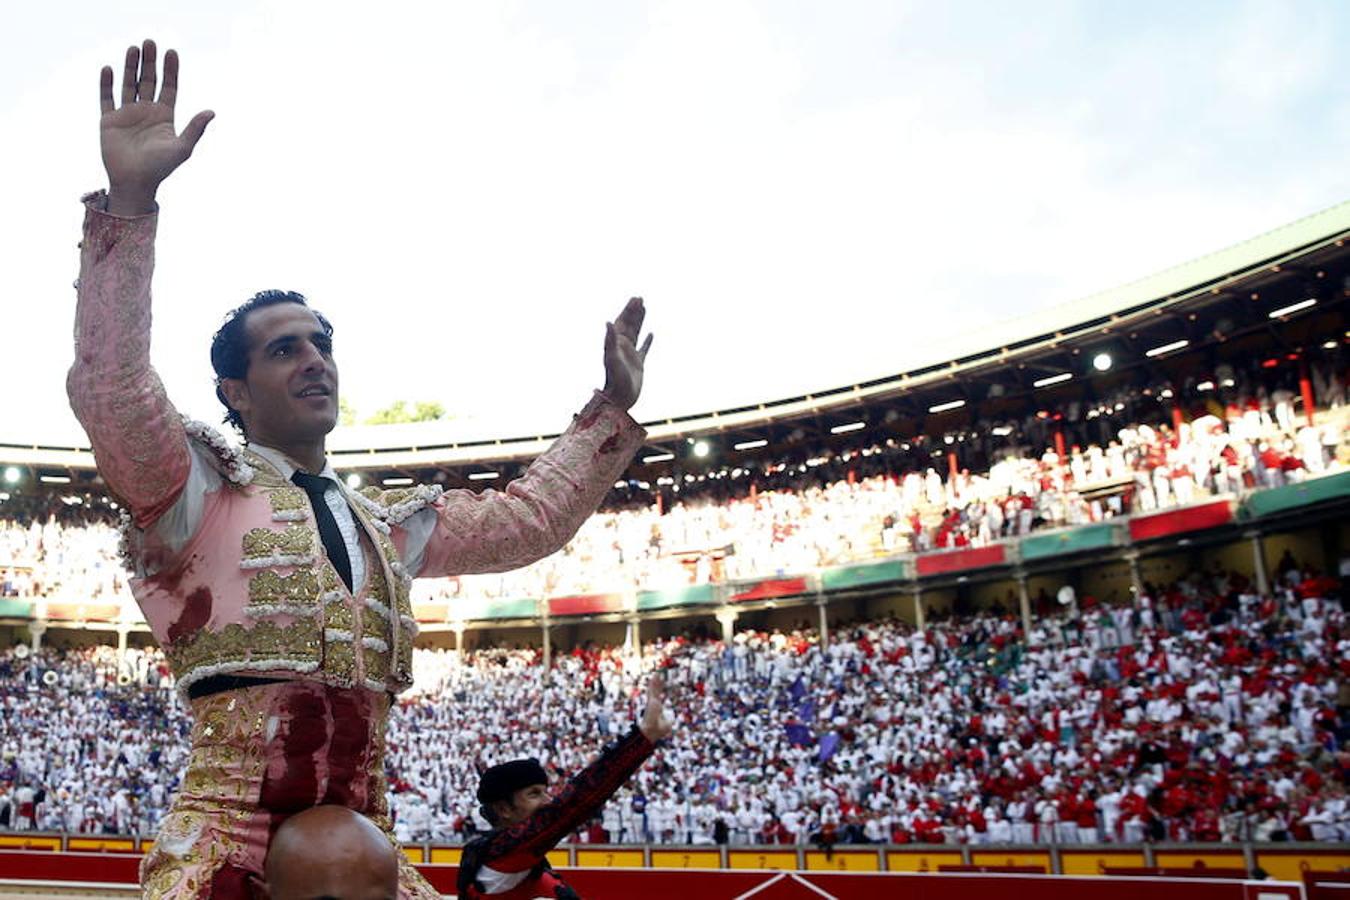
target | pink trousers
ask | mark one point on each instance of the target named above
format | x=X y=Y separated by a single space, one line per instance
x=259 y=755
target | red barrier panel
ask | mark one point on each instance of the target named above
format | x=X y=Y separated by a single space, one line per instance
x=585 y=605
x=958 y=560
x=115 y=868
x=1326 y=885
x=770 y=588
x=1177 y=521
x=680 y=884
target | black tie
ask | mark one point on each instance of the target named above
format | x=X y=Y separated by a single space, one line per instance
x=333 y=543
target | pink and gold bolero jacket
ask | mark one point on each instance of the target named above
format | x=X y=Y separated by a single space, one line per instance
x=252 y=590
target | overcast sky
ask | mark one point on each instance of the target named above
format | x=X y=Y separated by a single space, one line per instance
x=807 y=194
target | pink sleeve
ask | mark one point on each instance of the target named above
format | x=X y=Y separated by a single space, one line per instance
x=136 y=433
x=539 y=512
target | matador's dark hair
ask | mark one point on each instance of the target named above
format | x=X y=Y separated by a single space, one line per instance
x=229 y=347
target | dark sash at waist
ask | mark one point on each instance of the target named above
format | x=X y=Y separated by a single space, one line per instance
x=215 y=684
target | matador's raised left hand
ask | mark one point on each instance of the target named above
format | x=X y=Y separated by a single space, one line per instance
x=624 y=359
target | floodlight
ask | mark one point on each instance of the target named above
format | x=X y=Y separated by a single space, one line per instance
x=1053 y=379
x=1167 y=348
x=1292 y=308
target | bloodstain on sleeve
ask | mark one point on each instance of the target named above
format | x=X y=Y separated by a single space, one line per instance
x=539 y=512
x=196 y=613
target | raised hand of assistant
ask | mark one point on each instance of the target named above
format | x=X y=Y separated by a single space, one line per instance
x=140 y=145
x=655 y=725
x=624 y=359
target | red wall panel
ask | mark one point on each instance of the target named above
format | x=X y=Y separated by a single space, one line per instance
x=770 y=588
x=958 y=560
x=1179 y=521
x=585 y=605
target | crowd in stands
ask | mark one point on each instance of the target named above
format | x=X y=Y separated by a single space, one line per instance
x=1203 y=712
x=897 y=496
x=53 y=548
x=798 y=513
x=89 y=742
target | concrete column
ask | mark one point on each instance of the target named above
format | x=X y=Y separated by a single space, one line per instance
x=726 y=617
x=122 y=631
x=822 y=605
x=1259 y=562
x=634 y=637
x=1024 y=604
x=545 y=624
x=919 y=620
x=36 y=630
x=459 y=628
x=1136 y=574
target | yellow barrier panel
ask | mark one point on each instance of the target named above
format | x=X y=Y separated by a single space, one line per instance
x=1074 y=862
x=1280 y=864
x=610 y=859
x=994 y=858
x=18 y=842
x=920 y=860
x=449 y=856
x=842 y=861
x=1179 y=859
x=686 y=859
x=762 y=859
x=96 y=845
x=1290 y=866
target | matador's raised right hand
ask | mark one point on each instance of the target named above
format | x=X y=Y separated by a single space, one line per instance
x=140 y=146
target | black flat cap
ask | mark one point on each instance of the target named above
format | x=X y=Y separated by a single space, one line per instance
x=500 y=782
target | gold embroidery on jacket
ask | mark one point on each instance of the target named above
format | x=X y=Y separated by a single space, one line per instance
x=377 y=594
x=339 y=663
x=403 y=673
x=392 y=498
x=223 y=775
x=338 y=614
x=294 y=541
x=266 y=475
x=294 y=646
x=403 y=622
x=376 y=663
x=289 y=504
x=373 y=624
x=270 y=593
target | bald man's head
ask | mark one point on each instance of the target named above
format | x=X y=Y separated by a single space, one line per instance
x=330 y=853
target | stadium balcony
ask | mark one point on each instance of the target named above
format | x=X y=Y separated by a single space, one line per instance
x=1121 y=551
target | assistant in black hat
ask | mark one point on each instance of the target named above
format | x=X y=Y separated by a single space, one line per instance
x=511 y=860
